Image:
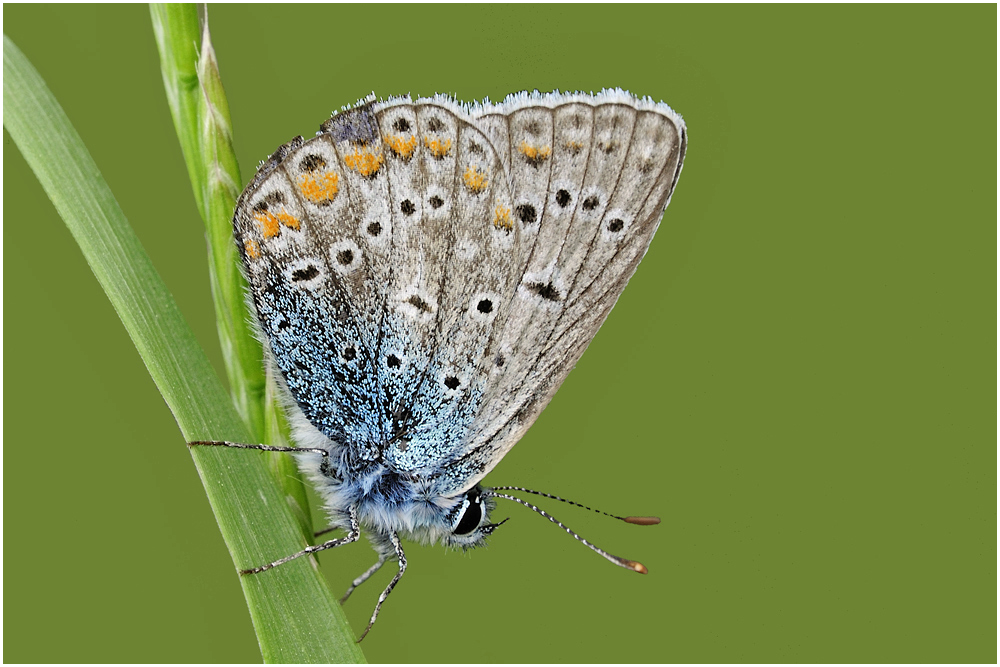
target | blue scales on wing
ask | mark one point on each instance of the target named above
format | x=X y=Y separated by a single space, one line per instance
x=380 y=253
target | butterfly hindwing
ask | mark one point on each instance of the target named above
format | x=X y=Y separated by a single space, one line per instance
x=427 y=274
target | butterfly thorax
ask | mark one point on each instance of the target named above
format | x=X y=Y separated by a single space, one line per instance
x=386 y=500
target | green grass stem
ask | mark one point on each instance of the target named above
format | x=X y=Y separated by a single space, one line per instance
x=200 y=112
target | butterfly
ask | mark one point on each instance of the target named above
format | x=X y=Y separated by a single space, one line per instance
x=425 y=275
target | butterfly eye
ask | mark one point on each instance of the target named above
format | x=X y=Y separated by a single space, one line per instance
x=471 y=514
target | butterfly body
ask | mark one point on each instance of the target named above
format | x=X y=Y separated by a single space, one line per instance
x=426 y=274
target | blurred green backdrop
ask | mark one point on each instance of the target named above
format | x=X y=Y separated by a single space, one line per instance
x=800 y=379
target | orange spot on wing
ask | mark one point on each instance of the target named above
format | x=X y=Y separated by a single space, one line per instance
x=535 y=154
x=475 y=179
x=288 y=220
x=402 y=147
x=501 y=218
x=438 y=147
x=574 y=146
x=252 y=251
x=364 y=161
x=269 y=222
x=319 y=188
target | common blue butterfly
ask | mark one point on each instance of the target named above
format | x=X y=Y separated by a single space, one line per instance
x=426 y=274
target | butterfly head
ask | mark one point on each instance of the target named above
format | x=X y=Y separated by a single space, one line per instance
x=469 y=519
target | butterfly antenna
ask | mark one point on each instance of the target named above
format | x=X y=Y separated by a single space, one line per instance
x=636 y=520
x=633 y=565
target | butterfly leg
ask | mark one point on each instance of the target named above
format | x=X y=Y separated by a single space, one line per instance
x=352 y=536
x=264 y=448
x=325 y=466
x=328 y=529
x=398 y=547
x=382 y=558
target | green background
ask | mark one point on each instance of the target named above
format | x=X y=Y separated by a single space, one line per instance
x=800 y=379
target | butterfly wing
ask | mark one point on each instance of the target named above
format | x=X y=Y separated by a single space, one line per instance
x=591 y=179
x=295 y=227
x=379 y=254
x=426 y=277
x=454 y=258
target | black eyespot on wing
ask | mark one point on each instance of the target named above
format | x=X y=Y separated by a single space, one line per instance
x=272 y=198
x=526 y=213
x=451 y=382
x=435 y=124
x=616 y=225
x=350 y=353
x=401 y=125
x=545 y=290
x=485 y=306
x=374 y=228
x=312 y=163
x=392 y=361
x=590 y=203
x=435 y=202
x=407 y=207
x=563 y=198
x=345 y=257
x=419 y=303
x=307 y=273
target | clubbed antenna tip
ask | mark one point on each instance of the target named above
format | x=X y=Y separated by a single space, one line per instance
x=636 y=566
x=642 y=520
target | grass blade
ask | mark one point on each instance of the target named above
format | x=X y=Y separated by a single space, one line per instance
x=200 y=113
x=295 y=616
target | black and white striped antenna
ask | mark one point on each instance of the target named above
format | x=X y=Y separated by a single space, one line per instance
x=633 y=565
